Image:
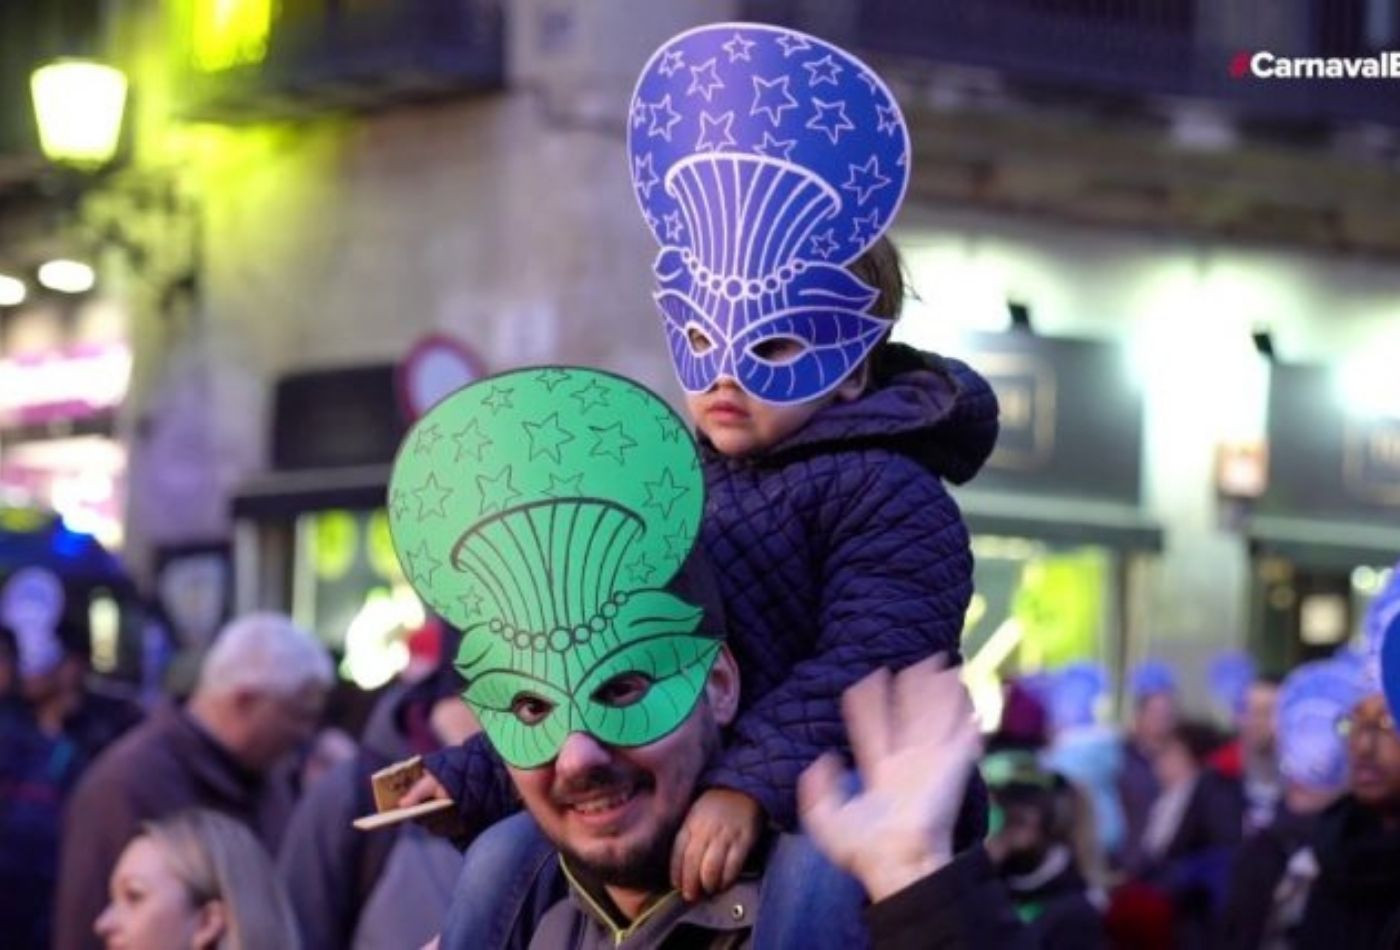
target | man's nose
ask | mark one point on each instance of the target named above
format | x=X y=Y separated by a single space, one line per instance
x=579 y=753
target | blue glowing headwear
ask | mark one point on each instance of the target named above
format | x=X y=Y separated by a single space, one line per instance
x=1380 y=616
x=1074 y=694
x=765 y=160
x=1149 y=677
x=1311 y=700
x=1230 y=677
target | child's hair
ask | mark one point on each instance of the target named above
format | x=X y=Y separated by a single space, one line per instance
x=882 y=268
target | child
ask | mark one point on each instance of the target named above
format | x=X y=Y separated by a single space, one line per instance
x=835 y=546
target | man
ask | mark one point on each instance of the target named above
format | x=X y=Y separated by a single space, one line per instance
x=1153 y=689
x=1037 y=850
x=1275 y=867
x=1357 y=841
x=592 y=650
x=259 y=696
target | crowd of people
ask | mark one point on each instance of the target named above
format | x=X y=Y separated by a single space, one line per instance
x=706 y=692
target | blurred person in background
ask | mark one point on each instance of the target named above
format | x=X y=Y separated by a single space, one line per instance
x=1249 y=702
x=1038 y=845
x=1357 y=841
x=51 y=728
x=1192 y=832
x=390 y=887
x=1275 y=868
x=9 y=663
x=1085 y=751
x=193 y=881
x=1153 y=690
x=258 y=699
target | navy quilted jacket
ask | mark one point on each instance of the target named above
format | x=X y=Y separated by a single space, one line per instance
x=835 y=553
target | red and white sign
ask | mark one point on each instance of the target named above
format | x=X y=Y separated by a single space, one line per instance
x=436 y=367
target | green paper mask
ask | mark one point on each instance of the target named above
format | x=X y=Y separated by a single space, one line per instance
x=542 y=512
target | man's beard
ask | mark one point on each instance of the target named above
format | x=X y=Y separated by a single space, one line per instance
x=647 y=866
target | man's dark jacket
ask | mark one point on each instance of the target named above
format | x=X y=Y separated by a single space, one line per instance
x=166 y=764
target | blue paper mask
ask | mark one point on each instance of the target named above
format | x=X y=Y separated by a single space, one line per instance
x=1231 y=675
x=1310 y=702
x=1149 y=677
x=764 y=161
x=1390 y=664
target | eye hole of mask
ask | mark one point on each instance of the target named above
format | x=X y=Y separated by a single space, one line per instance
x=699 y=340
x=779 y=350
x=531 y=710
x=626 y=689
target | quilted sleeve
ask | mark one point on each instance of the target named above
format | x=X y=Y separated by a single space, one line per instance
x=896 y=578
x=476 y=779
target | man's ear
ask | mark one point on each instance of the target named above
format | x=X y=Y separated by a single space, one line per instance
x=854 y=385
x=722 y=687
x=210 y=924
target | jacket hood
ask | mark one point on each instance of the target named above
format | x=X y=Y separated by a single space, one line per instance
x=935 y=410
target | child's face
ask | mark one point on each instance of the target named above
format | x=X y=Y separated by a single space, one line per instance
x=739 y=425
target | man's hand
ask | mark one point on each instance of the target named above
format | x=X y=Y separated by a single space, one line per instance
x=915 y=742
x=710 y=849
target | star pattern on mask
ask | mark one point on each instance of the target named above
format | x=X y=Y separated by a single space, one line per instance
x=672 y=62
x=663 y=493
x=421 y=564
x=498 y=398
x=709 y=125
x=589 y=396
x=824 y=70
x=670 y=428
x=888 y=119
x=644 y=174
x=547 y=437
x=496 y=491
x=612 y=442
x=771 y=96
x=738 y=48
x=704 y=80
x=427 y=439
x=663 y=118
x=639 y=113
x=679 y=541
x=470 y=440
x=824 y=245
x=830 y=118
x=471 y=603
x=549 y=378
x=432 y=498
x=865 y=180
x=641 y=570
x=561 y=487
x=398 y=505
x=792 y=43
x=866 y=228
x=775 y=148
x=674 y=227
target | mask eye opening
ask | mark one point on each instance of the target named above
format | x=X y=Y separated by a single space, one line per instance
x=699 y=341
x=779 y=350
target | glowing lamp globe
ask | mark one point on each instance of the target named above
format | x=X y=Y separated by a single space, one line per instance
x=79 y=104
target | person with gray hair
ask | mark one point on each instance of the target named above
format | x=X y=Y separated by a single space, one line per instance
x=259 y=696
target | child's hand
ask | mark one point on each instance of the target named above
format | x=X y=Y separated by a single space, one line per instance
x=718 y=834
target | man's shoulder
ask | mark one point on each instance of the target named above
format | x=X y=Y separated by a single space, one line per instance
x=138 y=758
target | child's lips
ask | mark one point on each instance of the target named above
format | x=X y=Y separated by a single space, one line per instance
x=725 y=411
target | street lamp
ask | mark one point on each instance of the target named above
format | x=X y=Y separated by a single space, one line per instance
x=79 y=104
